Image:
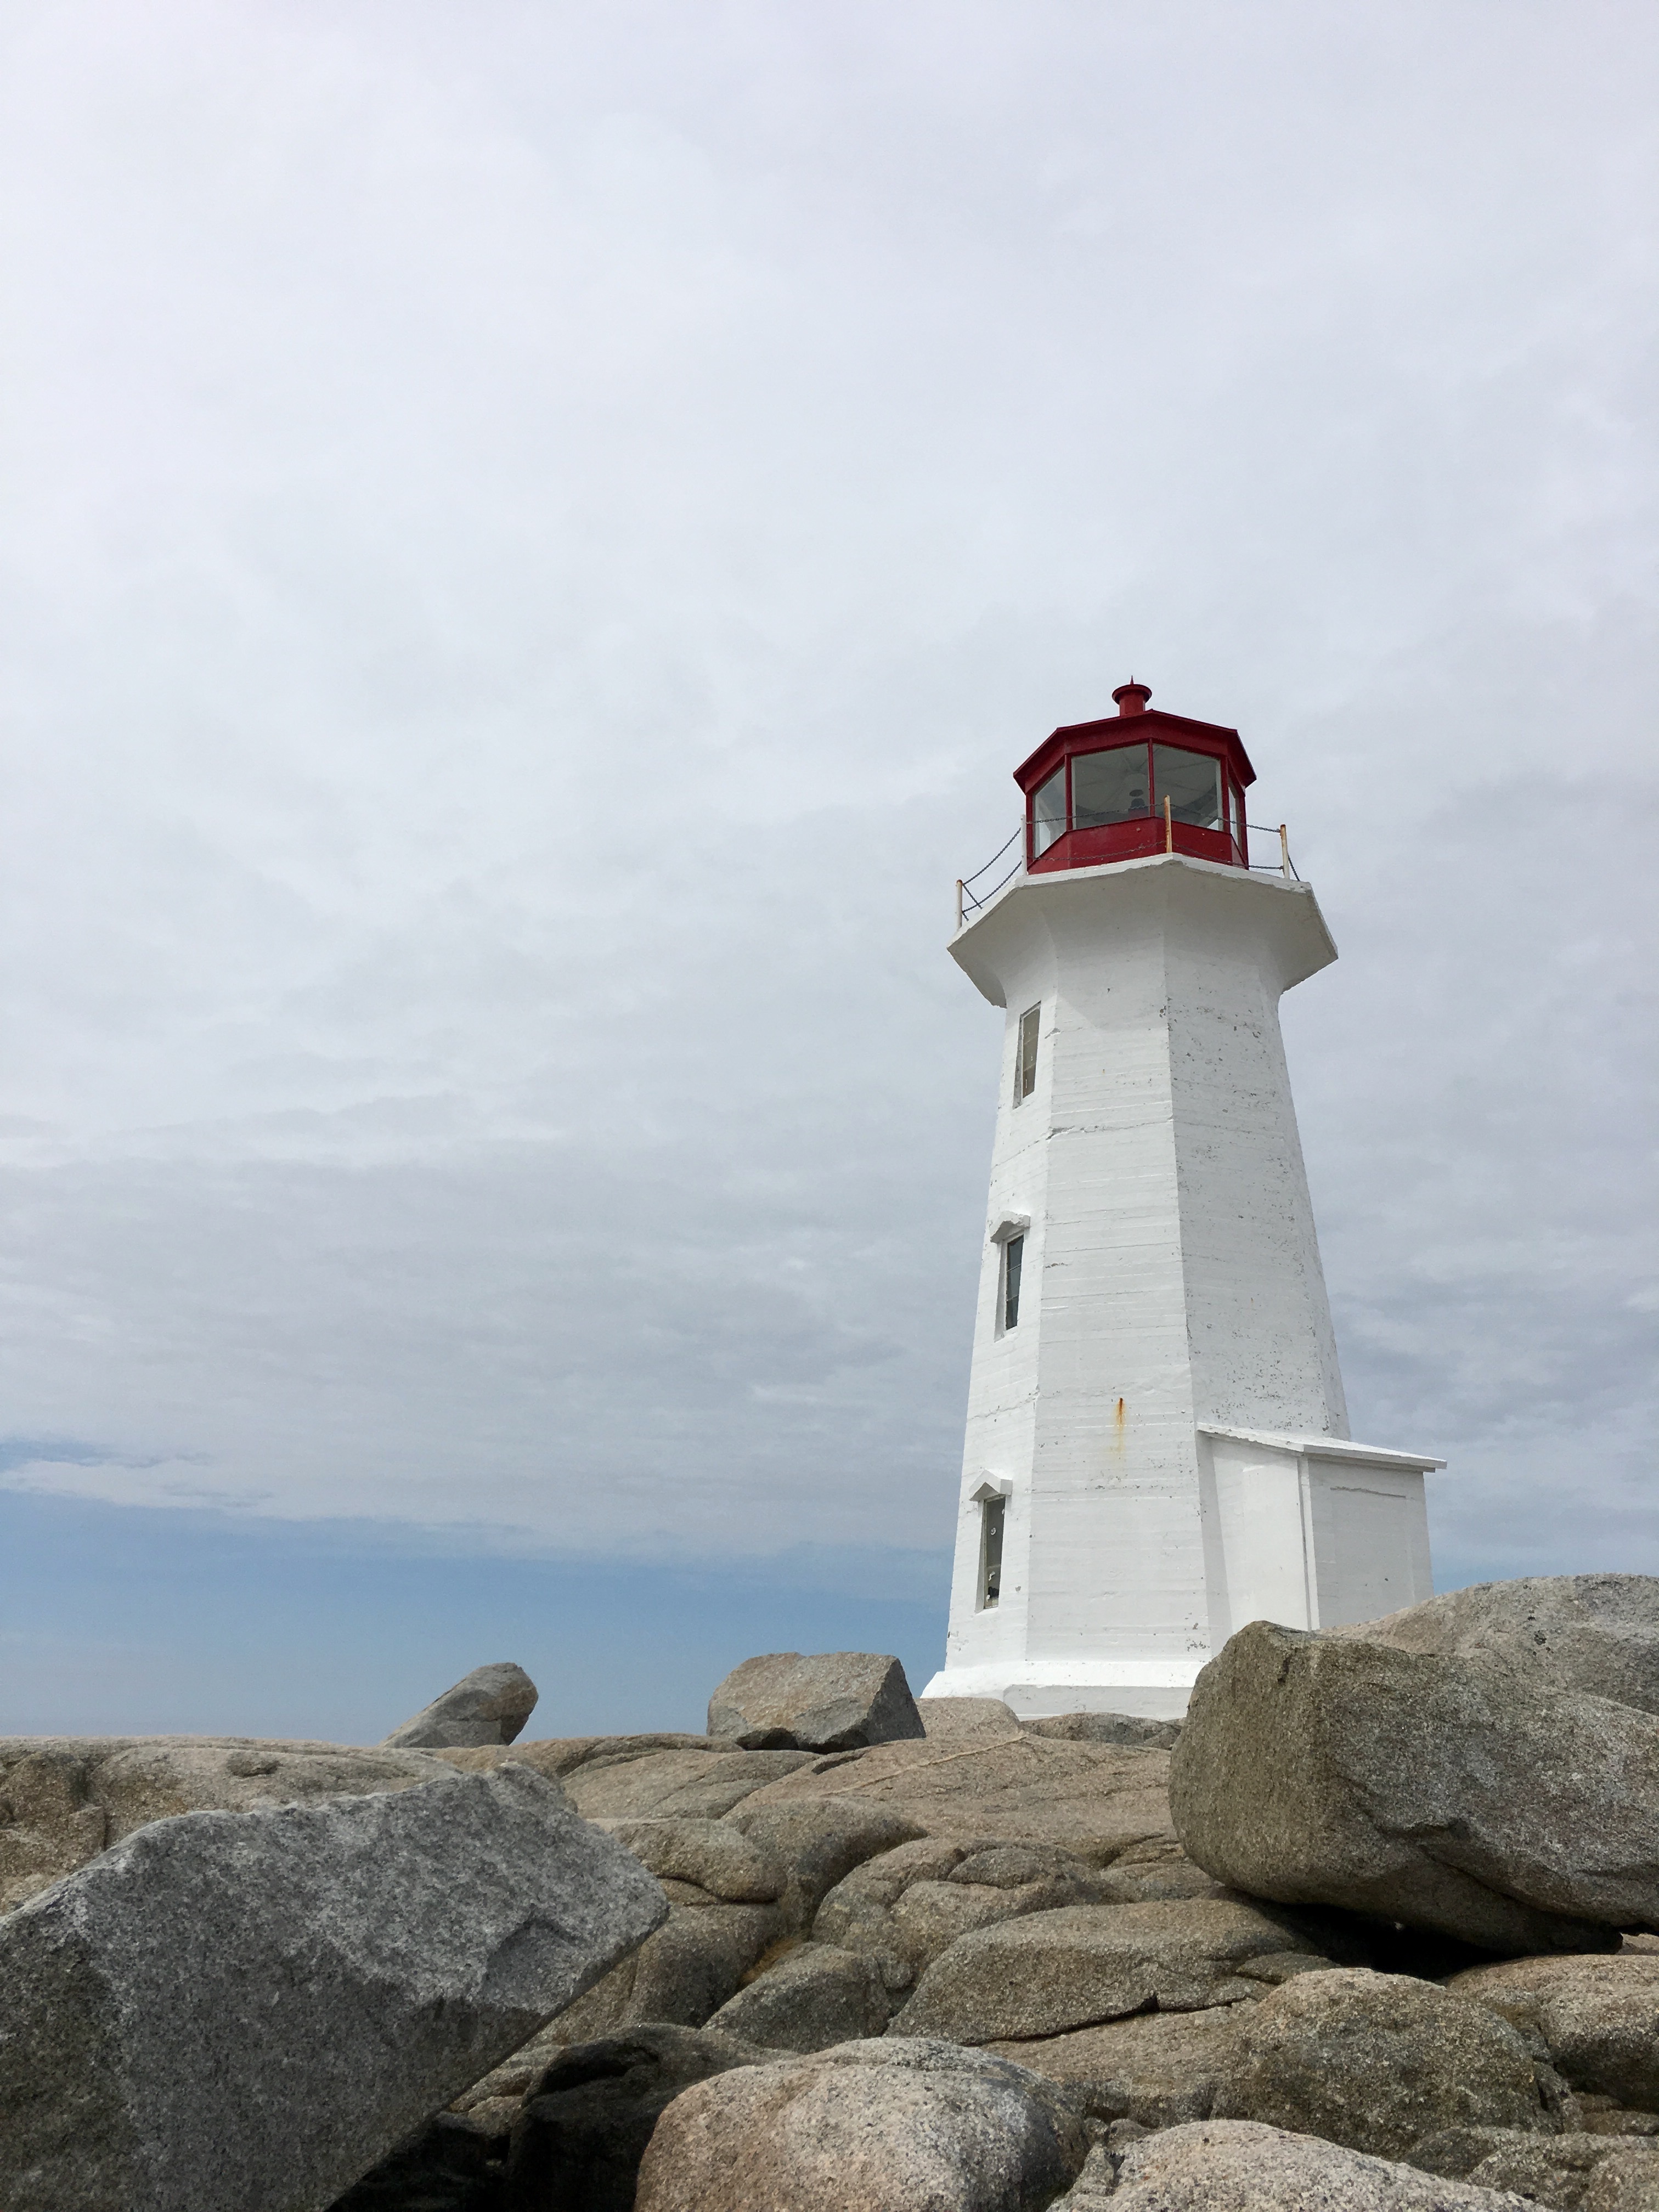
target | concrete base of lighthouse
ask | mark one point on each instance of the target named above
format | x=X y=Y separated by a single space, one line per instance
x=1311 y=1532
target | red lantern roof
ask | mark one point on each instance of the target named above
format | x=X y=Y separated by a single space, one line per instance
x=1138 y=782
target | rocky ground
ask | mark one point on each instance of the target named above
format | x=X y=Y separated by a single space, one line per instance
x=1374 y=1928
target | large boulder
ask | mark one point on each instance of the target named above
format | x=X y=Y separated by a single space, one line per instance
x=1085 y=1963
x=63 y=1799
x=1235 y=2165
x=588 y=2119
x=1380 y=2062
x=816 y=1701
x=894 y=2126
x=1599 y=2017
x=489 y=1706
x=251 y=2009
x=1448 y=1793
x=1598 y=1634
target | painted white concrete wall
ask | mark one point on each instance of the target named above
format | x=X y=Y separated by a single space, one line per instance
x=1172 y=1285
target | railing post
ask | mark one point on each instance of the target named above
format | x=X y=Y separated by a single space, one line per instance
x=1168 y=827
x=958 y=901
x=1284 y=853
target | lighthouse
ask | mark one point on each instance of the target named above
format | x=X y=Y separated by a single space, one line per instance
x=1158 y=1446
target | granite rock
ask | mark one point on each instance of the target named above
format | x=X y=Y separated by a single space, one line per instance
x=1379 y=2062
x=893 y=2125
x=1598 y=1634
x=63 y=1799
x=1561 y=2171
x=963 y=1720
x=708 y=1855
x=1106 y=1727
x=584 y=2127
x=252 y=2008
x=1160 y=2068
x=1448 y=1793
x=912 y=1903
x=814 y=1701
x=819 y=1844
x=813 y=1998
x=1099 y=1800
x=691 y=1783
x=1085 y=1963
x=1238 y=2166
x=1598 y=2016
x=491 y=1705
x=680 y=1976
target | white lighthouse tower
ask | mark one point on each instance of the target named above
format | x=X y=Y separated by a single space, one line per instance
x=1158 y=1445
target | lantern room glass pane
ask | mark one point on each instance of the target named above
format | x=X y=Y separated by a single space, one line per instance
x=1109 y=787
x=1191 y=784
x=1048 y=813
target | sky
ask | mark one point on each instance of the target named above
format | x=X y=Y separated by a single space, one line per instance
x=531 y=539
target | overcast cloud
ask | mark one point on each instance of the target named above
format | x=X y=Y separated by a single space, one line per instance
x=533 y=537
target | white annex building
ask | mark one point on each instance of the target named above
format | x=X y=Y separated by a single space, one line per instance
x=1158 y=1445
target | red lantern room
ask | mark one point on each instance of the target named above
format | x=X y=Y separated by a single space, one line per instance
x=1140 y=783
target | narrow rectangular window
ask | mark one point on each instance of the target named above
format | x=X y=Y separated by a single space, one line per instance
x=1013 y=1253
x=1025 y=1056
x=992 y=1514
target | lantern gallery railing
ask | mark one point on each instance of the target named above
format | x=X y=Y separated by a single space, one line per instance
x=971 y=900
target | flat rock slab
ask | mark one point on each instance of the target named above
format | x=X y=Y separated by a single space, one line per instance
x=248 y=2009
x=894 y=2125
x=63 y=1799
x=814 y=1701
x=1159 y=2068
x=1598 y=1634
x=1097 y=1800
x=659 y=1785
x=489 y=1706
x=1451 y=1794
x=1598 y=2016
x=1235 y=2165
x=1084 y=1964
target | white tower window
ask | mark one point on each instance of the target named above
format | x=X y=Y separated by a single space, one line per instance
x=1025 y=1057
x=1013 y=1255
x=993 y=1518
